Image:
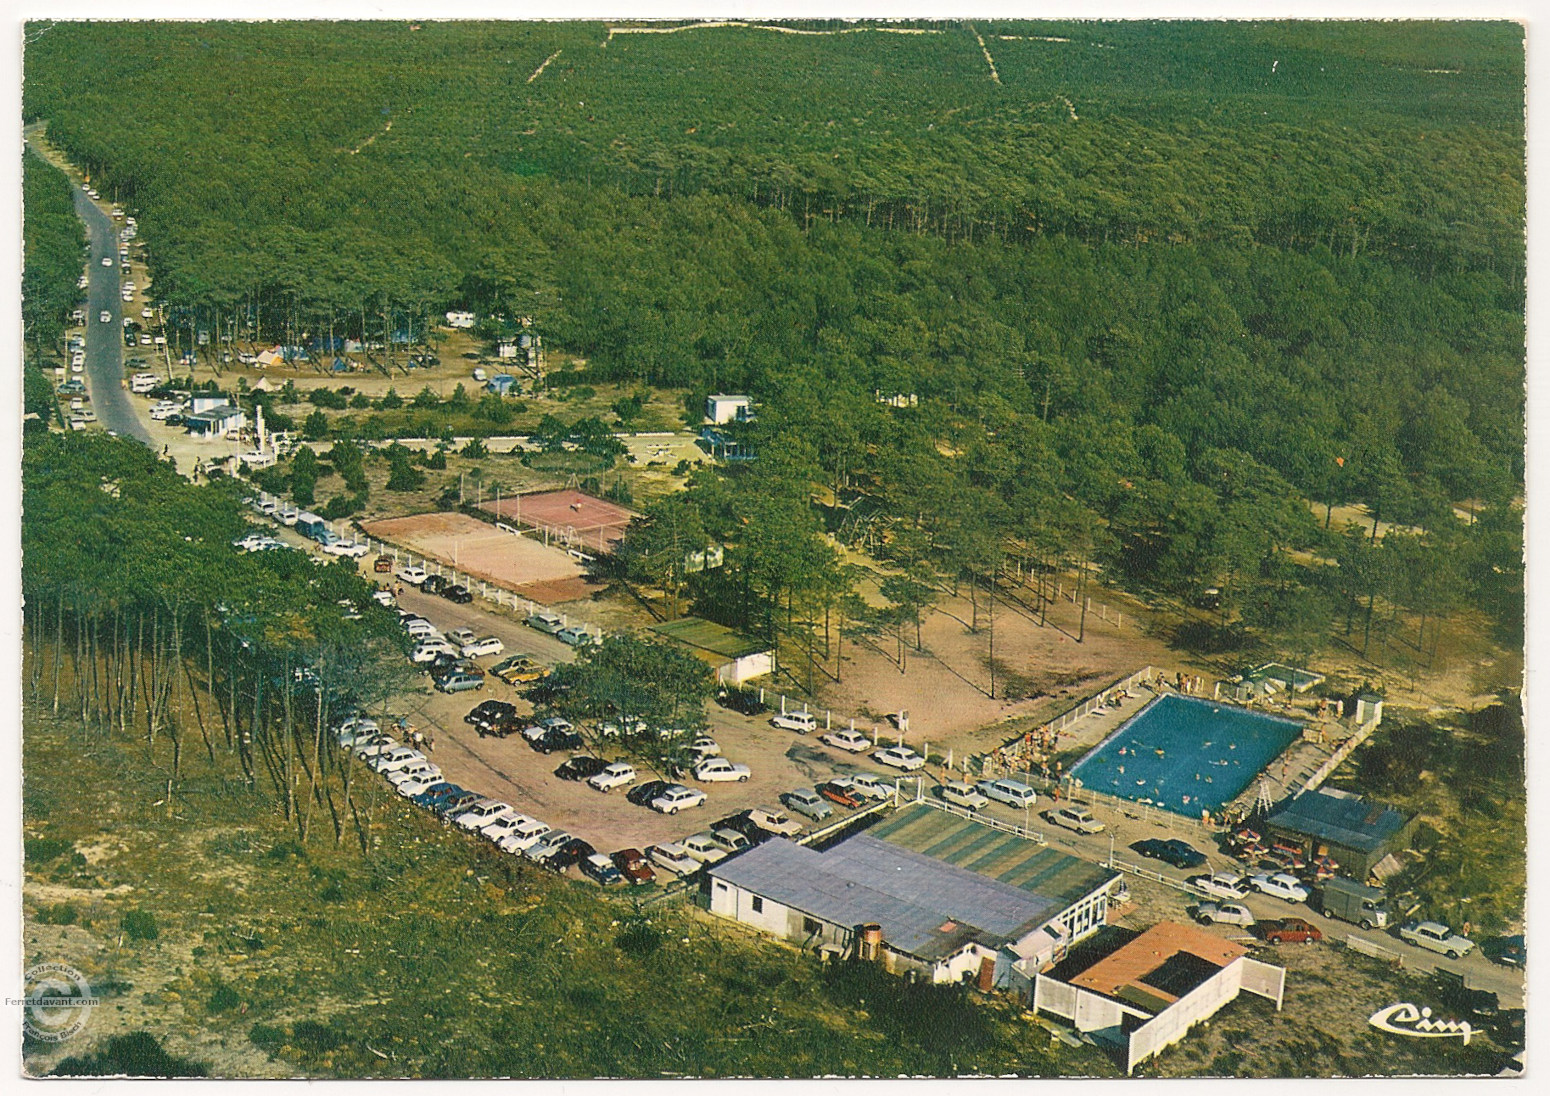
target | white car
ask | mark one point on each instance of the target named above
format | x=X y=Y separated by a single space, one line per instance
x=616 y=775
x=420 y=628
x=719 y=768
x=146 y=313
x=430 y=648
x=384 y=598
x=104 y=316
x=165 y=409
x=524 y=835
x=502 y=826
x=1280 y=885
x=1014 y=793
x=1223 y=913
x=677 y=798
x=481 y=814
x=705 y=848
x=268 y=507
x=1435 y=936
x=1079 y=819
x=489 y=645
x=288 y=515
x=546 y=846
x=612 y=729
x=414 y=576
x=870 y=786
x=962 y=795
x=899 y=757
x=461 y=636
x=674 y=857
x=1221 y=884
x=395 y=759
x=376 y=744
x=854 y=741
x=776 y=822
x=423 y=772
x=800 y=722
x=354 y=549
x=107 y=260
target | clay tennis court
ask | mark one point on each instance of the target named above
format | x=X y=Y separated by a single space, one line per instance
x=570 y=517
x=521 y=564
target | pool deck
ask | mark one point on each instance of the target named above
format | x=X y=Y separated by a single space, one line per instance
x=1285 y=774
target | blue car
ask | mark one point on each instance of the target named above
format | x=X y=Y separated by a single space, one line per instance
x=455 y=803
x=435 y=793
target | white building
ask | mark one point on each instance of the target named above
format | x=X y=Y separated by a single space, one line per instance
x=1146 y=995
x=460 y=319
x=721 y=409
x=918 y=912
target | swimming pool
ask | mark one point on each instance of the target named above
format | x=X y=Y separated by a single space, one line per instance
x=1185 y=755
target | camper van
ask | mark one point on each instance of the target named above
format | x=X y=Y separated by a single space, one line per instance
x=142 y=383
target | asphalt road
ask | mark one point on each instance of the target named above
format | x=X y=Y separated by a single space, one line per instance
x=105 y=341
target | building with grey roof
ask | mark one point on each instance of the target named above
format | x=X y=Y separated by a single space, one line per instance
x=934 y=918
x=1358 y=833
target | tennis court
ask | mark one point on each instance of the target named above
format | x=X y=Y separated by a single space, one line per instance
x=570 y=518
x=1185 y=755
x=517 y=563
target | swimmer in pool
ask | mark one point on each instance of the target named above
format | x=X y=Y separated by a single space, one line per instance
x=1122 y=770
x=1210 y=781
x=1197 y=776
x=1159 y=752
x=1232 y=745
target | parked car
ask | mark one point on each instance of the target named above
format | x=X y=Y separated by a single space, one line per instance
x=871 y=786
x=1171 y=851
x=478 y=648
x=488 y=711
x=1223 y=913
x=742 y=700
x=719 y=768
x=459 y=681
x=1221 y=884
x=105 y=316
x=961 y=794
x=435 y=794
x=743 y=823
x=554 y=739
x=1509 y=951
x=501 y=826
x=461 y=636
x=545 y=622
x=615 y=775
x=353 y=549
x=518 y=668
x=421 y=772
x=419 y=784
x=435 y=584
x=675 y=798
x=373 y=744
x=705 y=848
x=1014 y=793
x=1280 y=885
x=642 y=794
x=1288 y=930
x=674 y=857
x=776 y=822
x=807 y=801
x=731 y=838
x=454 y=805
x=429 y=648
x=547 y=845
x=574 y=851
x=839 y=791
x=634 y=866
x=418 y=627
x=458 y=594
x=481 y=814
x=601 y=869
x=576 y=636
x=853 y=741
x=1076 y=818
x=800 y=722
x=899 y=757
x=414 y=576
x=394 y=759
x=581 y=767
x=1434 y=936
x=526 y=833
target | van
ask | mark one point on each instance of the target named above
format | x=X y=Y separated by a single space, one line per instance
x=141 y=383
x=963 y=795
x=480 y=375
x=1014 y=793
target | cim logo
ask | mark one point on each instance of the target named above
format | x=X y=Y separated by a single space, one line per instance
x=1406 y=1019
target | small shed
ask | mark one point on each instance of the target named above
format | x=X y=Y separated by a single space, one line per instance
x=216 y=422
x=207 y=401
x=1358 y=833
x=736 y=658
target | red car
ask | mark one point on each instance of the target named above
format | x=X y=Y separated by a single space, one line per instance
x=632 y=864
x=1289 y=930
x=839 y=794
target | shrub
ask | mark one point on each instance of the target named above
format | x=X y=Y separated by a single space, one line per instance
x=620 y=492
x=638 y=938
x=266 y=1037
x=405 y=477
x=315 y=1037
x=44 y=849
x=140 y=925
x=137 y=1054
x=360 y=401
x=62 y=914
x=316 y=426
x=392 y=401
x=224 y=999
x=476 y=449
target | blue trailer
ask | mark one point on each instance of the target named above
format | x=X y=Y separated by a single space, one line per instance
x=311 y=526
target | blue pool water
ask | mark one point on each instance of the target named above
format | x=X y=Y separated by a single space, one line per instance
x=1185 y=755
